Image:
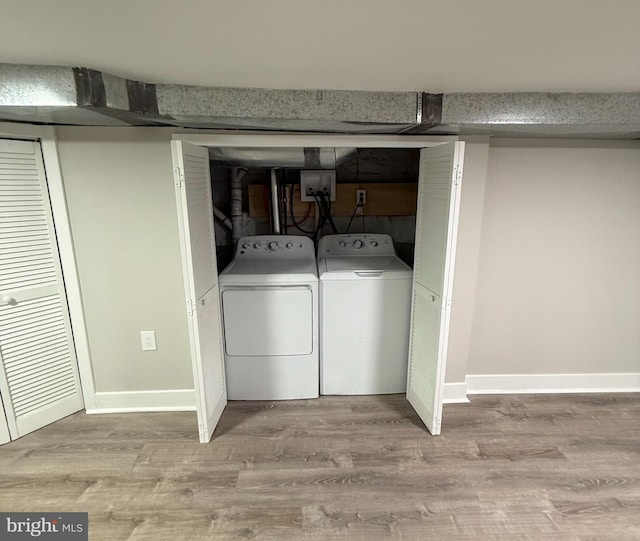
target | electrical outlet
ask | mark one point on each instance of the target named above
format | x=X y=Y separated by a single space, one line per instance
x=361 y=197
x=320 y=181
x=148 y=339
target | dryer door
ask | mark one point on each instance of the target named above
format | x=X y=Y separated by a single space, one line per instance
x=268 y=321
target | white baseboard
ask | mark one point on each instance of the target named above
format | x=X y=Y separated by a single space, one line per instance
x=455 y=393
x=553 y=383
x=144 y=401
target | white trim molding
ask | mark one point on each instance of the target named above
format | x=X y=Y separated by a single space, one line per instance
x=144 y=401
x=55 y=182
x=619 y=382
x=218 y=138
x=455 y=393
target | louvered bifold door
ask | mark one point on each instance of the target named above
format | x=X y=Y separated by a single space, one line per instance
x=200 y=269
x=38 y=370
x=436 y=230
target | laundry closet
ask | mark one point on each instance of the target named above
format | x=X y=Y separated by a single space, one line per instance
x=364 y=206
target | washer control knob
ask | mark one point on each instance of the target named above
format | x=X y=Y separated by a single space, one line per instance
x=289 y=245
x=357 y=244
x=256 y=245
x=245 y=245
x=374 y=243
x=342 y=244
x=273 y=246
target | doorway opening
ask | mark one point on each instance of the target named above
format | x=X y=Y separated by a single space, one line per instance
x=438 y=196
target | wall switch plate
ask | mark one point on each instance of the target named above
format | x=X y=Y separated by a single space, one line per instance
x=322 y=180
x=148 y=339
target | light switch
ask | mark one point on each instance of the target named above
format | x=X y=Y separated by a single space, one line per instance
x=148 y=339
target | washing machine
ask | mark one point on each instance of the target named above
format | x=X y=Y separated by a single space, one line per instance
x=269 y=298
x=365 y=305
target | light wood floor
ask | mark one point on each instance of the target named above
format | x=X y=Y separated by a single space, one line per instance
x=508 y=467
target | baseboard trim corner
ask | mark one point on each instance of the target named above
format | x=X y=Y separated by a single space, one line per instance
x=455 y=393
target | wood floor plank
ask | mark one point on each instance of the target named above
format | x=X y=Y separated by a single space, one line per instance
x=346 y=468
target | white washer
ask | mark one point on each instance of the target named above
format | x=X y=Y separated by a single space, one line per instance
x=269 y=296
x=365 y=305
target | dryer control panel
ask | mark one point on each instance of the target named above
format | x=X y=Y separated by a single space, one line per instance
x=356 y=244
x=275 y=246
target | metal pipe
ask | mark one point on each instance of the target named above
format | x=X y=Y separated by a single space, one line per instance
x=236 y=202
x=275 y=207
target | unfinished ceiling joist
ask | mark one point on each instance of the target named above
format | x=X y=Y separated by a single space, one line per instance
x=84 y=96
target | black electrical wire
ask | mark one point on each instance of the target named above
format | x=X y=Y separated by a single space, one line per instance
x=326 y=203
x=358 y=205
x=293 y=217
x=321 y=217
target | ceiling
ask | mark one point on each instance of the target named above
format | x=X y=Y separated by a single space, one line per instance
x=402 y=45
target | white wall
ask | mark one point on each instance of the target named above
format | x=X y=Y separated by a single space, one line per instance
x=546 y=272
x=558 y=288
x=468 y=251
x=120 y=196
x=430 y=45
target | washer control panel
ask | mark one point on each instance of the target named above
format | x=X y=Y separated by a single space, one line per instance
x=356 y=244
x=280 y=246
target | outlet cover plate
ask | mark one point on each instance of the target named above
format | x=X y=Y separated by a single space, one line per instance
x=321 y=180
x=148 y=339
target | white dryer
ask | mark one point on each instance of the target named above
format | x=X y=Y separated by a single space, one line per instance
x=269 y=297
x=365 y=305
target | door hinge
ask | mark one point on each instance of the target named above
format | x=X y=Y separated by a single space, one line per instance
x=179 y=177
x=446 y=304
x=189 y=307
x=457 y=179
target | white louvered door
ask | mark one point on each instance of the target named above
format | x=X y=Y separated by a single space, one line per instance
x=200 y=269
x=436 y=230
x=4 y=426
x=39 y=380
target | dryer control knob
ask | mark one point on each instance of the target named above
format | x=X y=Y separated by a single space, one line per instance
x=357 y=244
x=289 y=245
x=256 y=245
x=374 y=243
x=273 y=246
x=342 y=244
x=245 y=245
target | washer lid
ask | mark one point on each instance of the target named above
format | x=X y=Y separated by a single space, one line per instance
x=353 y=267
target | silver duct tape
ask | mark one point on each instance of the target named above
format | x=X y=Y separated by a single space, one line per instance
x=116 y=92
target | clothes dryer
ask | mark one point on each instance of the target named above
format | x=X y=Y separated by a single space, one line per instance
x=269 y=298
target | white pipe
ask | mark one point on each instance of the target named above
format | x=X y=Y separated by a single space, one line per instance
x=222 y=217
x=236 y=202
x=275 y=207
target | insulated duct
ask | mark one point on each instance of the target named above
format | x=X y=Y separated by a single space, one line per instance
x=84 y=96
